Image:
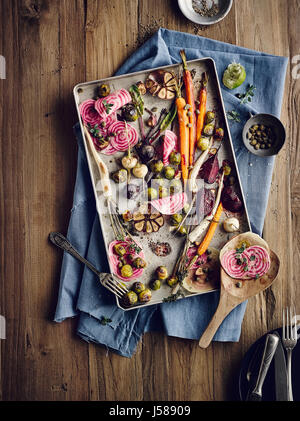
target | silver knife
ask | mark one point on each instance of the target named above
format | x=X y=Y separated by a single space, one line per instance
x=281 y=380
x=270 y=347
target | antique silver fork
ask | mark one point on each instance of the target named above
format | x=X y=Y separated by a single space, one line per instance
x=109 y=281
x=289 y=340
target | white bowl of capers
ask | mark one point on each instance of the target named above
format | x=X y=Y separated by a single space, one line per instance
x=264 y=135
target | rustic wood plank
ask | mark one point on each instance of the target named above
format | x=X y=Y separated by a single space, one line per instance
x=111 y=33
x=42 y=65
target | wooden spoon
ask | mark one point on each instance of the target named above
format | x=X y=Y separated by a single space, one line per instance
x=231 y=296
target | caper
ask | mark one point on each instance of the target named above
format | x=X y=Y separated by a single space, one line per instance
x=255 y=127
x=154 y=109
x=257 y=146
x=189 y=113
x=197 y=111
x=269 y=145
x=262 y=146
x=253 y=142
x=262 y=127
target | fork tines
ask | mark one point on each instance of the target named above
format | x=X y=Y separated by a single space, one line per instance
x=289 y=326
x=115 y=286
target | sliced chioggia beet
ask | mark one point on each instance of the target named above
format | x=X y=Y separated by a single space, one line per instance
x=171 y=204
x=122 y=135
x=169 y=145
x=112 y=102
x=88 y=112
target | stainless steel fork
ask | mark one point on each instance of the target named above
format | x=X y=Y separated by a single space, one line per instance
x=289 y=340
x=109 y=281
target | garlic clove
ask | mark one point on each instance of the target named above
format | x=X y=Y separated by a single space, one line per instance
x=231 y=225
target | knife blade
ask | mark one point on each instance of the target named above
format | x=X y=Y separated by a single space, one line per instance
x=271 y=343
x=281 y=380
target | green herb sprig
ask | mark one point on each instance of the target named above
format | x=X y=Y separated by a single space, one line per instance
x=105 y=321
x=234 y=115
x=248 y=95
x=107 y=106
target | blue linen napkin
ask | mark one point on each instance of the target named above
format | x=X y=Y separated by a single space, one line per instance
x=80 y=294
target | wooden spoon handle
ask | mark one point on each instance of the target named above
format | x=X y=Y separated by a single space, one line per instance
x=226 y=304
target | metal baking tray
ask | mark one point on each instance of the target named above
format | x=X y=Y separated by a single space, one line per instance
x=84 y=91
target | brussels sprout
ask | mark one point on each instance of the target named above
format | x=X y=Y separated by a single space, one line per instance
x=129 y=299
x=126 y=271
x=129 y=112
x=162 y=192
x=176 y=218
x=210 y=116
x=155 y=284
x=203 y=143
x=119 y=249
x=162 y=272
x=156 y=166
x=152 y=193
x=172 y=281
x=103 y=90
x=120 y=176
x=175 y=186
x=139 y=263
x=208 y=129
x=138 y=287
x=169 y=173
x=219 y=133
x=145 y=295
x=182 y=230
x=175 y=158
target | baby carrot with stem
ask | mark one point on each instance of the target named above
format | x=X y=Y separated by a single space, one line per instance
x=210 y=232
x=189 y=90
x=202 y=105
x=183 y=122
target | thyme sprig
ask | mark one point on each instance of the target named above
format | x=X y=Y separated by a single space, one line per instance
x=248 y=95
x=107 y=106
x=105 y=321
x=234 y=115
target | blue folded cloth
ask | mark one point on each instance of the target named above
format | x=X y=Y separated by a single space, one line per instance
x=80 y=293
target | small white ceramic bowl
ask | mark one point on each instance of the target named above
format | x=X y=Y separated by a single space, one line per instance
x=188 y=11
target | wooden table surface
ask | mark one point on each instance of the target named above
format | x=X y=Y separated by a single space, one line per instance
x=49 y=46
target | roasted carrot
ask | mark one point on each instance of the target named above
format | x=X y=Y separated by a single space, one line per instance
x=183 y=121
x=202 y=105
x=210 y=232
x=190 y=99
